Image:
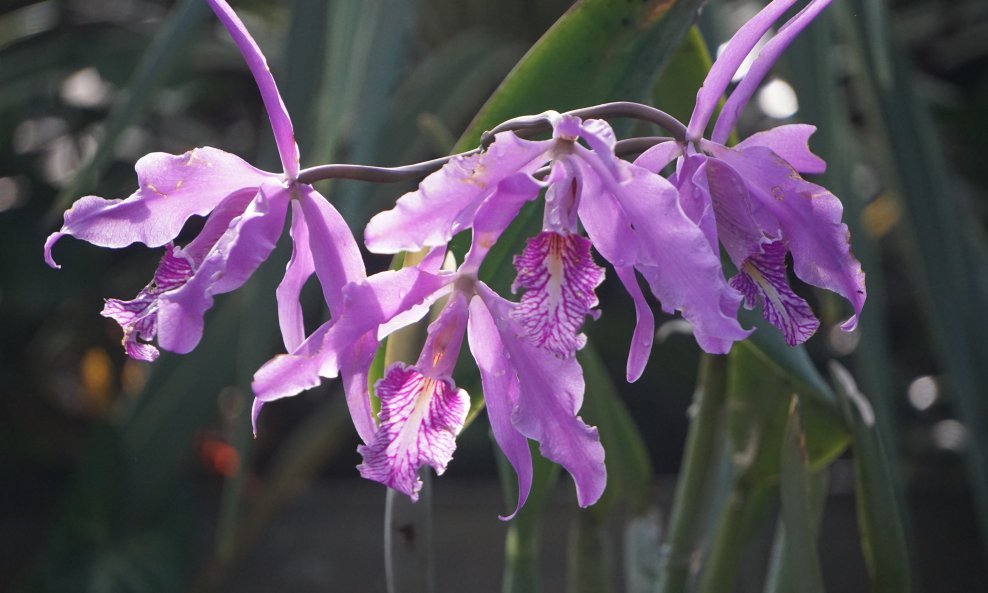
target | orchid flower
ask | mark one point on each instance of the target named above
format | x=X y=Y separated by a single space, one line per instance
x=245 y=209
x=530 y=393
x=751 y=196
x=631 y=215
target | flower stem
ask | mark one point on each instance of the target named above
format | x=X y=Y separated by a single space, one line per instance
x=681 y=551
x=375 y=174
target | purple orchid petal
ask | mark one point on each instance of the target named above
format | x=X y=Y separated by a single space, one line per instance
x=171 y=190
x=420 y=418
x=496 y=213
x=810 y=218
x=248 y=242
x=762 y=279
x=729 y=61
x=610 y=231
x=659 y=156
x=355 y=363
x=367 y=305
x=550 y=396
x=299 y=269
x=560 y=279
x=446 y=201
x=694 y=196
x=767 y=57
x=675 y=257
x=742 y=223
x=339 y=261
x=644 y=335
x=791 y=142
x=445 y=337
x=501 y=393
x=281 y=123
x=139 y=317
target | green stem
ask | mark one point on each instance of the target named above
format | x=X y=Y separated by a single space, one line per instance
x=700 y=459
x=744 y=507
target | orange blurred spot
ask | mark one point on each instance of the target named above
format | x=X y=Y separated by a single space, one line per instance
x=96 y=374
x=219 y=456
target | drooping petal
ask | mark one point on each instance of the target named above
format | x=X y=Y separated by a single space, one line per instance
x=610 y=231
x=139 y=317
x=501 y=393
x=644 y=335
x=446 y=201
x=297 y=272
x=675 y=257
x=549 y=399
x=810 y=218
x=246 y=244
x=281 y=123
x=420 y=418
x=336 y=255
x=355 y=363
x=560 y=279
x=792 y=143
x=762 y=279
x=743 y=223
x=728 y=62
x=767 y=57
x=367 y=305
x=172 y=188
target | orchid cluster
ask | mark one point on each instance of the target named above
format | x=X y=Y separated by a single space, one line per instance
x=749 y=198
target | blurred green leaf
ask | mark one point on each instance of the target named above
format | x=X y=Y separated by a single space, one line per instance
x=629 y=470
x=883 y=536
x=797 y=508
x=600 y=50
x=590 y=554
x=758 y=410
x=949 y=253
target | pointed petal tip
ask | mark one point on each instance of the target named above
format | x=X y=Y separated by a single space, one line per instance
x=49 y=244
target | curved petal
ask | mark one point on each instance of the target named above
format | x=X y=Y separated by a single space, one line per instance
x=446 y=201
x=299 y=269
x=644 y=335
x=281 y=123
x=560 y=280
x=810 y=217
x=792 y=143
x=248 y=242
x=550 y=396
x=767 y=57
x=762 y=278
x=743 y=223
x=676 y=258
x=609 y=229
x=420 y=418
x=368 y=304
x=659 y=156
x=172 y=188
x=339 y=261
x=496 y=213
x=501 y=393
x=728 y=62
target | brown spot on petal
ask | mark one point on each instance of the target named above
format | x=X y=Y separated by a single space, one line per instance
x=777 y=193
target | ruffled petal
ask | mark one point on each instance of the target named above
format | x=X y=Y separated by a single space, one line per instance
x=675 y=257
x=728 y=62
x=248 y=242
x=281 y=123
x=420 y=418
x=501 y=393
x=743 y=223
x=172 y=188
x=560 y=280
x=762 y=279
x=792 y=143
x=644 y=335
x=139 y=317
x=810 y=218
x=446 y=201
x=550 y=396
